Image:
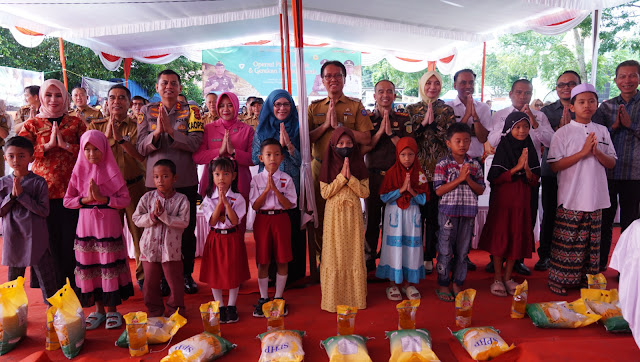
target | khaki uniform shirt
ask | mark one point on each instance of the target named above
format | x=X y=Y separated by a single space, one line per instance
x=383 y=155
x=209 y=117
x=351 y=114
x=132 y=170
x=21 y=115
x=90 y=114
x=251 y=121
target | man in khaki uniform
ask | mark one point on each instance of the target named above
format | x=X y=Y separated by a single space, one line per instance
x=210 y=100
x=32 y=98
x=255 y=106
x=137 y=102
x=327 y=114
x=83 y=111
x=122 y=132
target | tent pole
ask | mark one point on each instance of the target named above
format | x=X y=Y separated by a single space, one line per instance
x=484 y=64
x=127 y=70
x=597 y=17
x=63 y=63
x=287 y=51
x=282 y=60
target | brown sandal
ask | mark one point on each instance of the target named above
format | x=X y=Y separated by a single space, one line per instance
x=498 y=289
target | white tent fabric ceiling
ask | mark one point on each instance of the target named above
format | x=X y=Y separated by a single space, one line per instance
x=418 y=29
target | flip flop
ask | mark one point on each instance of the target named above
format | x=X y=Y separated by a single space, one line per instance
x=558 y=290
x=411 y=292
x=498 y=289
x=445 y=297
x=393 y=293
x=113 y=317
x=511 y=286
x=94 y=320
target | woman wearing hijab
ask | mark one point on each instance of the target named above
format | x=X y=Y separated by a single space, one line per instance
x=508 y=233
x=227 y=136
x=431 y=117
x=343 y=181
x=99 y=191
x=56 y=138
x=279 y=119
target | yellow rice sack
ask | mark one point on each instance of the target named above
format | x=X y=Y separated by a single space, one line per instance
x=351 y=348
x=281 y=346
x=407 y=313
x=346 y=319
x=482 y=343
x=13 y=314
x=605 y=304
x=51 y=338
x=202 y=347
x=519 y=304
x=137 y=331
x=68 y=320
x=210 y=313
x=560 y=315
x=464 y=307
x=411 y=345
x=597 y=281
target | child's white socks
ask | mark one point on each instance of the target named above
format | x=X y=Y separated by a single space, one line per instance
x=281 y=282
x=217 y=296
x=263 y=284
x=233 y=296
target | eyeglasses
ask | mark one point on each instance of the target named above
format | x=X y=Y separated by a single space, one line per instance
x=568 y=84
x=282 y=105
x=333 y=76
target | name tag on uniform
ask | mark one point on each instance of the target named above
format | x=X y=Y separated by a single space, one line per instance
x=348 y=114
x=216 y=140
x=320 y=114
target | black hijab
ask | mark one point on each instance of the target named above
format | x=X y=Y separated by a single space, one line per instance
x=510 y=149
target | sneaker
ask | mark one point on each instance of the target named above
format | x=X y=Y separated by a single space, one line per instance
x=232 y=314
x=223 y=315
x=190 y=286
x=286 y=307
x=258 y=311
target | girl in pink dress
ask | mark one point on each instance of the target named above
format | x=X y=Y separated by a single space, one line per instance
x=229 y=137
x=98 y=189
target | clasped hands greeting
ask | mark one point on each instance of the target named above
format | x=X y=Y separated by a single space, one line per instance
x=523 y=164
x=56 y=140
x=94 y=194
x=163 y=123
x=226 y=149
x=285 y=141
x=406 y=186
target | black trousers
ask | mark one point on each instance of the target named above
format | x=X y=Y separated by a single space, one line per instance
x=62 y=224
x=628 y=191
x=297 y=266
x=189 y=234
x=429 y=213
x=375 y=210
x=549 y=206
x=45 y=272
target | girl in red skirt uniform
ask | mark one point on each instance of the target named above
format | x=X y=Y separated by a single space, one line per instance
x=224 y=261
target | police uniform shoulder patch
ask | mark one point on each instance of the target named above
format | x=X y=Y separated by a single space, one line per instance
x=140 y=117
x=196 y=111
x=363 y=112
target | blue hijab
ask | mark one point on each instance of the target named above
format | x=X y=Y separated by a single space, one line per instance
x=269 y=125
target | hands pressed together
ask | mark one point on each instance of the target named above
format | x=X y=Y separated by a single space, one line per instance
x=163 y=124
x=406 y=185
x=226 y=149
x=56 y=139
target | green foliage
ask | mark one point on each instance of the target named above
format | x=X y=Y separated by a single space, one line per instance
x=409 y=81
x=83 y=61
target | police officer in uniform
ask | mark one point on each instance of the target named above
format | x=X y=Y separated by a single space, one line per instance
x=327 y=114
x=388 y=127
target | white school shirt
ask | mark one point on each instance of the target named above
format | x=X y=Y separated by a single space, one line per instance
x=583 y=186
x=283 y=183
x=476 y=149
x=541 y=135
x=238 y=204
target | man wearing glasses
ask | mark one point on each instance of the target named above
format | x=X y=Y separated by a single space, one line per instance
x=325 y=115
x=558 y=114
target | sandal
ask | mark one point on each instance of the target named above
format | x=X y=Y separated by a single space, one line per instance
x=411 y=292
x=114 y=320
x=94 y=320
x=498 y=289
x=511 y=286
x=428 y=267
x=558 y=290
x=445 y=297
x=393 y=293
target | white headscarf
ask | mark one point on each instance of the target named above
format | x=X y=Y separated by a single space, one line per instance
x=423 y=80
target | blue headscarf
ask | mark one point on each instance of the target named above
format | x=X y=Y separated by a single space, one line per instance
x=269 y=125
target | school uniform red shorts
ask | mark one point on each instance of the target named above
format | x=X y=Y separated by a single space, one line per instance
x=273 y=237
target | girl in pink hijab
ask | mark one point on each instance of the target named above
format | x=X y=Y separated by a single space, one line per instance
x=227 y=136
x=98 y=189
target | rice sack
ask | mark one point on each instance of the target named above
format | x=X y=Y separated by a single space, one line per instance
x=68 y=320
x=202 y=347
x=346 y=319
x=407 y=313
x=51 y=338
x=13 y=314
x=464 y=307
x=159 y=330
x=137 y=331
x=519 y=304
x=274 y=312
x=210 y=314
x=605 y=303
x=560 y=315
x=281 y=346
x=351 y=348
x=482 y=343
x=597 y=281
x=411 y=345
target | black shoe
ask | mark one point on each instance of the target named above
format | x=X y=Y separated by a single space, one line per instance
x=521 y=269
x=286 y=307
x=489 y=268
x=141 y=283
x=164 y=287
x=258 y=311
x=223 y=315
x=232 y=314
x=470 y=265
x=371 y=265
x=603 y=269
x=542 y=264
x=190 y=286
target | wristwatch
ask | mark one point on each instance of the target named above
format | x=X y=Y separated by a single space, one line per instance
x=124 y=139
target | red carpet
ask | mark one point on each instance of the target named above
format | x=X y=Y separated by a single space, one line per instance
x=591 y=343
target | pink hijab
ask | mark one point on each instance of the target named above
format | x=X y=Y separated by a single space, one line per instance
x=45 y=111
x=236 y=106
x=106 y=173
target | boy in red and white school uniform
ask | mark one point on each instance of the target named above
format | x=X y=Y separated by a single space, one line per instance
x=271 y=194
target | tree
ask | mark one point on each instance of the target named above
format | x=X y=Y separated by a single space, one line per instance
x=409 y=81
